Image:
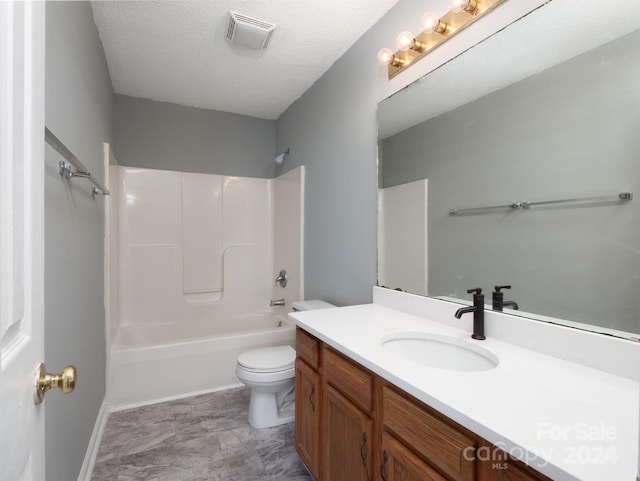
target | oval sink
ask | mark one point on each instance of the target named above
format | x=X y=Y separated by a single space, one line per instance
x=441 y=352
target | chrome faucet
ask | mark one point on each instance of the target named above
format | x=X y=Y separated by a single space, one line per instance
x=499 y=302
x=478 y=313
x=277 y=302
x=282 y=278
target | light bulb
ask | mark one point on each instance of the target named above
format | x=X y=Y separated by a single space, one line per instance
x=460 y=5
x=385 y=56
x=405 y=40
x=430 y=22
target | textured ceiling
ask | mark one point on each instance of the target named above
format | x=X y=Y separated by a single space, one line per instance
x=176 y=51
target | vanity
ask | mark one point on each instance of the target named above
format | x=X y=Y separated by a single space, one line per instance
x=367 y=412
x=511 y=166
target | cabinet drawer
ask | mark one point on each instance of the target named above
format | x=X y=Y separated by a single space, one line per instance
x=308 y=348
x=440 y=444
x=496 y=465
x=349 y=378
x=399 y=463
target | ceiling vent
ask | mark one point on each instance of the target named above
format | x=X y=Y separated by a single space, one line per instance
x=249 y=32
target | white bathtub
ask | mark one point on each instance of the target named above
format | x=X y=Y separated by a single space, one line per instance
x=160 y=362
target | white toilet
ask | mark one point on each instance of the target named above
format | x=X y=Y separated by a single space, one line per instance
x=270 y=373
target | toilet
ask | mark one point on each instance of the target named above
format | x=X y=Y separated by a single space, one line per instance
x=270 y=373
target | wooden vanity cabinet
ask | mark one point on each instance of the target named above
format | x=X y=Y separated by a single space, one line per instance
x=307 y=407
x=444 y=447
x=352 y=425
x=399 y=463
x=516 y=472
x=497 y=465
x=346 y=452
x=346 y=419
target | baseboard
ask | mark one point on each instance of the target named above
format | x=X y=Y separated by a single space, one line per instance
x=121 y=407
x=94 y=443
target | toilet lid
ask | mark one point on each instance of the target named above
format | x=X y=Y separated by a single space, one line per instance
x=276 y=358
x=311 y=305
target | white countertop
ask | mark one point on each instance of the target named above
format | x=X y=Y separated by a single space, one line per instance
x=568 y=421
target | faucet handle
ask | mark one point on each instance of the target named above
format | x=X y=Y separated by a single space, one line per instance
x=476 y=291
x=497 y=288
x=282 y=278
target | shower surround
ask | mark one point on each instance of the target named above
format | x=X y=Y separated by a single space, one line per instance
x=193 y=259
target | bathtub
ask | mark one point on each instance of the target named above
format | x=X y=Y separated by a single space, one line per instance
x=155 y=363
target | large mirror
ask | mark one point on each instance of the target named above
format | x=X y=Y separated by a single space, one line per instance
x=477 y=159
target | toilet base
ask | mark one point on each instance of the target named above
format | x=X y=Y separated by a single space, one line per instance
x=264 y=413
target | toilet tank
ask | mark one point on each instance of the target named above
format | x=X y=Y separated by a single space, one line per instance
x=310 y=305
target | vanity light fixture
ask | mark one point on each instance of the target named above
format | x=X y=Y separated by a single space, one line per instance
x=435 y=30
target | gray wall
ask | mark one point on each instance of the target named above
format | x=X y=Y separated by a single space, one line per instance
x=332 y=130
x=567 y=132
x=78 y=110
x=159 y=135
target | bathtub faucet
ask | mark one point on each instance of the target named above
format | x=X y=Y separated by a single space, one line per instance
x=277 y=302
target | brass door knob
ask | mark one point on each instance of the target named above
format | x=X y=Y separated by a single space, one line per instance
x=65 y=381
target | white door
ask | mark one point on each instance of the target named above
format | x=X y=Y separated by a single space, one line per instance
x=21 y=238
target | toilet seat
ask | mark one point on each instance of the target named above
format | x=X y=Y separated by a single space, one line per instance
x=267 y=360
x=264 y=377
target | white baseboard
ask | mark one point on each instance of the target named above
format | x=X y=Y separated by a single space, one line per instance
x=94 y=443
x=121 y=407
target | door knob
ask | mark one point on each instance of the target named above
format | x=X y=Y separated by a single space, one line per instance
x=65 y=381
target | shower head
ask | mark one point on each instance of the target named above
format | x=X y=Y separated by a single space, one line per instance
x=280 y=157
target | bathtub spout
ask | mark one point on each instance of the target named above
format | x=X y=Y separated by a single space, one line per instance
x=277 y=302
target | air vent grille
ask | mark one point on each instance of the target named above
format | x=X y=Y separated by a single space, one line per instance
x=249 y=32
x=231 y=27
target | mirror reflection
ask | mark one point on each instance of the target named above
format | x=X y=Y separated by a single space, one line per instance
x=520 y=126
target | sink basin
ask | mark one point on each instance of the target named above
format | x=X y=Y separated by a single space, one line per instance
x=441 y=352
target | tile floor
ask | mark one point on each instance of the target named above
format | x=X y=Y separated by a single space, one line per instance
x=200 y=438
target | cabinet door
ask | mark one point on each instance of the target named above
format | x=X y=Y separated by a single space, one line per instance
x=308 y=417
x=346 y=438
x=400 y=464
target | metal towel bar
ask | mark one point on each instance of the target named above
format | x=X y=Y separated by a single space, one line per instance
x=621 y=197
x=70 y=161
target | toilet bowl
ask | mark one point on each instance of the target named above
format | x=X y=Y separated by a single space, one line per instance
x=270 y=373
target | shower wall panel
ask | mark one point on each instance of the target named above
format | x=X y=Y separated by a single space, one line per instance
x=288 y=232
x=402 y=237
x=202 y=233
x=193 y=247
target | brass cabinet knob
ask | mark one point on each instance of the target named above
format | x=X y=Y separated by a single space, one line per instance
x=65 y=381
